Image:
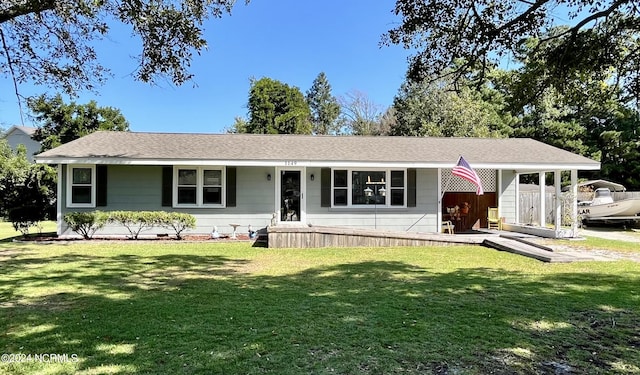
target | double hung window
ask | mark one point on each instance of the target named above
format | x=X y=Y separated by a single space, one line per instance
x=198 y=187
x=81 y=183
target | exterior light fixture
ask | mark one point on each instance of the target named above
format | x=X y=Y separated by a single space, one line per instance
x=368 y=192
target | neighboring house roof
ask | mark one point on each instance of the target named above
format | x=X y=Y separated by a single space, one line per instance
x=17 y=135
x=24 y=129
x=306 y=150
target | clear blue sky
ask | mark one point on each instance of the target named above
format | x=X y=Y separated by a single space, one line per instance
x=288 y=40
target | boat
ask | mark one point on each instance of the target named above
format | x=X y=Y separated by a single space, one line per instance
x=603 y=206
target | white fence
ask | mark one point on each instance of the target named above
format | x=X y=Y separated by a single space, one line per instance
x=530 y=204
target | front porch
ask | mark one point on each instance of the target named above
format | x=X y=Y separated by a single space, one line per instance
x=322 y=236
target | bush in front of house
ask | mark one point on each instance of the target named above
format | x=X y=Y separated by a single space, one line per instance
x=179 y=222
x=86 y=223
x=25 y=217
x=135 y=222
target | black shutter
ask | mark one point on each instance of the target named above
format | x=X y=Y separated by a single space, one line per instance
x=167 y=186
x=231 y=186
x=411 y=187
x=325 y=187
x=101 y=185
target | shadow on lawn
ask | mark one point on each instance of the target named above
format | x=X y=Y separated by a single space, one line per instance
x=206 y=314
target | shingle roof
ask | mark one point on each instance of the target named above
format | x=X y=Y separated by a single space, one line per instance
x=30 y=131
x=173 y=147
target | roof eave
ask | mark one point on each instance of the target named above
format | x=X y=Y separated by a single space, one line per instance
x=516 y=167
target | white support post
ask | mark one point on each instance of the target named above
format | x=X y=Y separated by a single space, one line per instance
x=59 y=195
x=574 y=202
x=558 y=202
x=517 y=218
x=440 y=196
x=543 y=196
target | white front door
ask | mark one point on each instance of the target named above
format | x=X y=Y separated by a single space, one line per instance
x=291 y=195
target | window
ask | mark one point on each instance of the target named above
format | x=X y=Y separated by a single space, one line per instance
x=81 y=182
x=362 y=188
x=187 y=186
x=340 y=188
x=198 y=187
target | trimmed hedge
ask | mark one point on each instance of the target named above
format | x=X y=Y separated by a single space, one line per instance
x=87 y=223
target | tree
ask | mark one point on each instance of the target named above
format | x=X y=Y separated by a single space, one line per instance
x=324 y=107
x=62 y=123
x=239 y=126
x=472 y=36
x=27 y=190
x=434 y=109
x=51 y=42
x=360 y=114
x=551 y=121
x=276 y=108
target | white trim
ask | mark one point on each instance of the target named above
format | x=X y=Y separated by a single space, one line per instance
x=521 y=167
x=387 y=187
x=499 y=190
x=199 y=186
x=440 y=196
x=59 y=201
x=517 y=190
x=70 y=185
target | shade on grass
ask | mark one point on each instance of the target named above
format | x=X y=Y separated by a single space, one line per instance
x=205 y=308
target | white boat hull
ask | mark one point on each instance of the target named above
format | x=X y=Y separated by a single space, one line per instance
x=625 y=207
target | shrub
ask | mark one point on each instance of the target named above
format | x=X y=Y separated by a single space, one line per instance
x=86 y=223
x=26 y=217
x=136 y=221
x=179 y=222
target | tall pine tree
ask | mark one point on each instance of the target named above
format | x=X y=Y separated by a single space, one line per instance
x=324 y=107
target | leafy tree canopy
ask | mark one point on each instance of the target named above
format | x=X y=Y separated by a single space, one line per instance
x=477 y=34
x=275 y=108
x=434 y=109
x=51 y=41
x=61 y=123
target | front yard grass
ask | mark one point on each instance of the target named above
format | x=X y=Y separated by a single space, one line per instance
x=227 y=308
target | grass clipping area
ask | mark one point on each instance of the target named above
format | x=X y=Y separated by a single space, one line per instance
x=228 y=308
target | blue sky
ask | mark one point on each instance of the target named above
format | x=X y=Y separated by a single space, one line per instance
x=288 y=40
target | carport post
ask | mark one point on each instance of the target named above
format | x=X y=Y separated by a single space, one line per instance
x=543 y=197
x=558 y=202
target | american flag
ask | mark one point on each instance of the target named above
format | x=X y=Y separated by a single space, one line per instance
x=464 y=170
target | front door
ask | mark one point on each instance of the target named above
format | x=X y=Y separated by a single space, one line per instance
x=291 y=196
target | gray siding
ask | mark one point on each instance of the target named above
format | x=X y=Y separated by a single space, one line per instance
x=19 y=138
x=134 y=188
x=139 y=188
x=386 y=218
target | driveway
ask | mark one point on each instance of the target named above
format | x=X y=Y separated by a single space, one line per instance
x=632 y=235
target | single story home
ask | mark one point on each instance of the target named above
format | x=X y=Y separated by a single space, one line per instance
x=387 y=183
x=23 y=135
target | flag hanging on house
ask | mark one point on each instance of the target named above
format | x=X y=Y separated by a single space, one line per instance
x=464 y=170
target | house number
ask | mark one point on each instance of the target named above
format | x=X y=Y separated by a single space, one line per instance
x=290 y=162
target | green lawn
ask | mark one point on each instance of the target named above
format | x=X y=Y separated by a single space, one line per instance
x=228 y=308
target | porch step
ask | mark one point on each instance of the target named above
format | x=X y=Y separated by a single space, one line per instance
x=262 y=239
x=524 y=248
